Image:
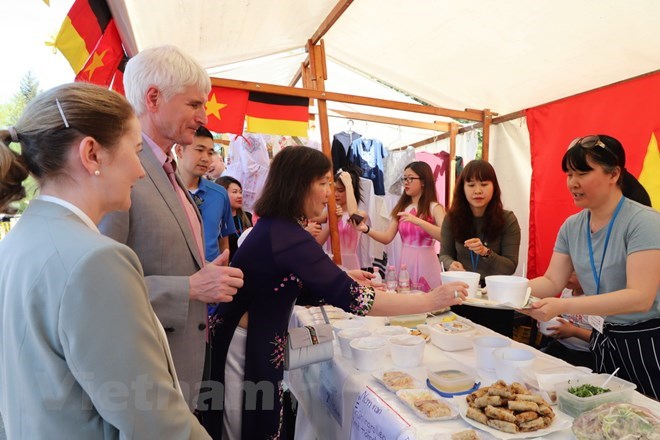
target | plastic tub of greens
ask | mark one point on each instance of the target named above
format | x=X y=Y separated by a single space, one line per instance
x=583 y=394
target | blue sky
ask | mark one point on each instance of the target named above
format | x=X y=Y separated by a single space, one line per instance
x=26 y=26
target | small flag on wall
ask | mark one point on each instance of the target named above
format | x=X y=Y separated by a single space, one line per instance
x=81 y=31
x=226 y=109
x=277 y=114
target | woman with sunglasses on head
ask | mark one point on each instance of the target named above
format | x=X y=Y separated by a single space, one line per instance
x=347 y=197
x=478 y=235
x=417 y=217
x=613 y=245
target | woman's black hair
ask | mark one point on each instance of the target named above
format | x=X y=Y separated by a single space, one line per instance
x=289 y=180
x=355 y=180
x=460 y=215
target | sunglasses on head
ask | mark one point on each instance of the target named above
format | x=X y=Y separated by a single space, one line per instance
x=589 y=142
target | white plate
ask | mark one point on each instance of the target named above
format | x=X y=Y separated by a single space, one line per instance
x=561 y=422
x=483 y=301
x=406 y=395
x=378 y=375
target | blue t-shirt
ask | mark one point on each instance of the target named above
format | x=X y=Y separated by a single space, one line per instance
x=636 y=228
x=213 y=203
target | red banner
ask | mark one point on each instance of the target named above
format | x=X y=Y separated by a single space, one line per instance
x=225 y=110
x=629 y=111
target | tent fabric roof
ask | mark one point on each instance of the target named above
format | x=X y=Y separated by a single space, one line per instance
x=503 y=55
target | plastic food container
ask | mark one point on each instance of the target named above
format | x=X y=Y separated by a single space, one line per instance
x=409 y=321
x=543 y=326
x=453 y=335
x=449 y=378
x=620 y=392
x=346 y=336
x=483 y=349
x=407 y=351
x=469 y=278
x=507 y=289
x=343 y=324
x=369 y=352
x=510 y=361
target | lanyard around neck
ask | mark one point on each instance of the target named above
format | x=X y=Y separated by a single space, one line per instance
x=240 y=225
x=607 y=239
x=474 y=259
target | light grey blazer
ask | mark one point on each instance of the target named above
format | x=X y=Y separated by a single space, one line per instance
x=81 y=356
x=157 y=229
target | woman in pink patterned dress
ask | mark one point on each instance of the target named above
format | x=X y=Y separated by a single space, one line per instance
x=417 y=217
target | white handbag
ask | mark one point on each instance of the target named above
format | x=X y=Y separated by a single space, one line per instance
x=308 y=345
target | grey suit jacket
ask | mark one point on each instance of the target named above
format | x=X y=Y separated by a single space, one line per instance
x=157 y=229
x=81 y=354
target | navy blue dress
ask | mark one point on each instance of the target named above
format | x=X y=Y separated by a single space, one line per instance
x=278 y=259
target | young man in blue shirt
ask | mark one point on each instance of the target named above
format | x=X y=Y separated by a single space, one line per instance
x=211 y=199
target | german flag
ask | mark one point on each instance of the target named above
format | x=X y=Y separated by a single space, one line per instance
x=277 y=114
x=226 y=109
x=104 y=61
x=81 y=31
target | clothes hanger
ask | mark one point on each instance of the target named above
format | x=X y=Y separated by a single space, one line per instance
x=349 y=125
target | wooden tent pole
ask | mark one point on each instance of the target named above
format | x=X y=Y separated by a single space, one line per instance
x=318 y=77
x=488 y=119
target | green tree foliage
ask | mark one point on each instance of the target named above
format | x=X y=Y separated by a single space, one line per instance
x=9 y=114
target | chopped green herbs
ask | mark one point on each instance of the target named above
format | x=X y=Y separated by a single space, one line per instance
x=587 y=390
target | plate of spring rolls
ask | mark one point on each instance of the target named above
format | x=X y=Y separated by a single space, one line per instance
x=511 y=411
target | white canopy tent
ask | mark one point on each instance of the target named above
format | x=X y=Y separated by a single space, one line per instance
x=505 y=55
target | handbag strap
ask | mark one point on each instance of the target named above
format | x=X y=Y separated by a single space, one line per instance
x=325 y=315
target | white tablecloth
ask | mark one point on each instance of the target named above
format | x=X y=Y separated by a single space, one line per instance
x=326 y=392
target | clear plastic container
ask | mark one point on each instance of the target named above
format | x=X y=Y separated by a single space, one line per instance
x=621 y=391
x=390 y=279
x=450 y=378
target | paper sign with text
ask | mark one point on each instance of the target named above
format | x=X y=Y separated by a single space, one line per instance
x=374 y=419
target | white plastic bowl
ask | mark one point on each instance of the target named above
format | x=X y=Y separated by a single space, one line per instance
x=369 y=352
x=510 y=361
x=407 y=351
x=346 y=336
x=343 y=324
x=543 y=326
x=507 y=289
x=469 y=278
x=483 y=349
x=452 y=336
x=391 y=330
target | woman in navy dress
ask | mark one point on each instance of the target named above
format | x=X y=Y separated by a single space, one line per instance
x=279 y=260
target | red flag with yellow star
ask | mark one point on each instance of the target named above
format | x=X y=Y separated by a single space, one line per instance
x=104 y=59
x=226 y=109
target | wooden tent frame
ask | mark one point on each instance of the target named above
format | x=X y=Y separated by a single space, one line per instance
x=313 y=73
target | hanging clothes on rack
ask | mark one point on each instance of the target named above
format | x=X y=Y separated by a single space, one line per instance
x=394 y=164
x=341 y=148
x=249 y=163
x=368 y=155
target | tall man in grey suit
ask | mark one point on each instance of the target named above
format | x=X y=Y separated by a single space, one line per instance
x=168 y=90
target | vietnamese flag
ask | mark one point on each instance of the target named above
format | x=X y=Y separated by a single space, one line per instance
x=81 y=30
x=278 y=114
x=118 y=79
x=226 y=109
x=628 y=111
x=104 y=60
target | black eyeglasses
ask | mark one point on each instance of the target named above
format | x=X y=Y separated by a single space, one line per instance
x=589 y=142
x=406 y=179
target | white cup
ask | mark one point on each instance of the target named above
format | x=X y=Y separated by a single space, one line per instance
x=483 y=349
x=469 y=278
x=391 y=330
x=346 y=336
x=407 y=351
x=507 y=289
x=369 y=352
x=510 y=361
x=343 y=324
x=543 y=326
